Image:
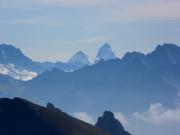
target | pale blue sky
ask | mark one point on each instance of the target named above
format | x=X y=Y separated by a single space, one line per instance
x=56 y=29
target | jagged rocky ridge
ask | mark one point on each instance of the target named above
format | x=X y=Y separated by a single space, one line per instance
x=21 y=117
x=16 y=65
x=111 y=125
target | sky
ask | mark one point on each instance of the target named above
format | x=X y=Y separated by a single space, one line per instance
x=55 y=29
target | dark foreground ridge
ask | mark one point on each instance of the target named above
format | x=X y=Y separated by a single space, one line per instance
x=110 y=124
x=21 y=117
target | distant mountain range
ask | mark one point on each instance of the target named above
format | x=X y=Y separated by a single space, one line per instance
x=21 y=117
x=133 y=82
x=15 y=64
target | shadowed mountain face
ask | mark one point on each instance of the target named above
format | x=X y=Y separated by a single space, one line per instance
x=11 y=55
x=9 y=86
x=15 y=64
x=20 y=117
x=110 y=124
x=120 y=82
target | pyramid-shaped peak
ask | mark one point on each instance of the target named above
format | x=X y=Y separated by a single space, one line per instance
x=106 y=45
x=80 y=53
x=79 y=57
x=105 y=53
x=111 y=125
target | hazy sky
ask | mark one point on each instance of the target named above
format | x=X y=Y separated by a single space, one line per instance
x=55 y=29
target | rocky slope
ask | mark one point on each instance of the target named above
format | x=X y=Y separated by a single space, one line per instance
x=21 y=117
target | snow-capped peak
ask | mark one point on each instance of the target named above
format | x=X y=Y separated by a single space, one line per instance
x=79 y=57
x=15 y=73
x=105 y=53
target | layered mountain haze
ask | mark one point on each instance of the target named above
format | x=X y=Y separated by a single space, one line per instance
x=130 y=84
x=18 y=66
x=136 y=76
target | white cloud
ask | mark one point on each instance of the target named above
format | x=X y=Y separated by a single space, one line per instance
x=84 y=117
x=158 y=114
x=121 y=118
x=15 y=73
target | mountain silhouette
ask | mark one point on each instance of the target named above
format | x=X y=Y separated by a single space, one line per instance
x=21 y=117
x=108 y=123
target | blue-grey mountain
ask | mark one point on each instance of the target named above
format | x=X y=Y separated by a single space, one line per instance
x=79 y=57
x=132 y=82
x=77 y=61
x=105 y=53
x=11 y=55
x=120 y=82
x=15 y=64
